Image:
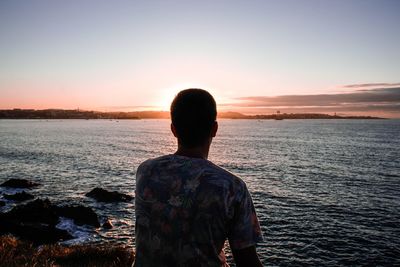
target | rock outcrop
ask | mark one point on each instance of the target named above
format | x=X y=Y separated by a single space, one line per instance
x=103 y=195
x=37 y=233
x=36 y=220
x=37 y=211
x=80 y=214
x=19 y=183
x=19 y=196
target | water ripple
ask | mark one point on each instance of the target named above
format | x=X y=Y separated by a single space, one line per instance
x=327 y=192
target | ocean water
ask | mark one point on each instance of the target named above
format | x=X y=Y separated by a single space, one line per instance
x=327 y=192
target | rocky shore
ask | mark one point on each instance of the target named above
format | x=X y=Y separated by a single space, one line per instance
x=35 y=221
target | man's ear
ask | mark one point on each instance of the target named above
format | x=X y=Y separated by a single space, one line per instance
x=173 y=130
x=214 y=129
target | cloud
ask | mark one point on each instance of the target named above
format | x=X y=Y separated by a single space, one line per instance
x=377 y=96
x=383 y=100
x=361 y=85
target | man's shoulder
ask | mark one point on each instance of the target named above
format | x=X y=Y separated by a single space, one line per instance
x=218 y=170
x=220 y=174
x=216 y=174
x=152 y=162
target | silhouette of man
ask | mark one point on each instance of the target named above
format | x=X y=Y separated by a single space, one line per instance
x=186 y=206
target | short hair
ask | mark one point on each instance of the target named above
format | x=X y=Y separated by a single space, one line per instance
x=193 y=113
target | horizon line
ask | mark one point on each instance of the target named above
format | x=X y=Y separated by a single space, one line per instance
x=225 y=113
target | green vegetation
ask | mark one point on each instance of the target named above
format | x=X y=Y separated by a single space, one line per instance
x=14 y=252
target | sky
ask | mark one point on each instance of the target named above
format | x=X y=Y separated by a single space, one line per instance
x=253 y=56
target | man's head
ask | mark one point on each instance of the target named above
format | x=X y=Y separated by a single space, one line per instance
x=193 y=114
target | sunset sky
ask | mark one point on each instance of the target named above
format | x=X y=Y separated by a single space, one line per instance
x=254 y=56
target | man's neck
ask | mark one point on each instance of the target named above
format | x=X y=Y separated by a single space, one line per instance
x=195 y=152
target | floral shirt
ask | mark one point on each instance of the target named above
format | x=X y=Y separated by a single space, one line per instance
x=185 y=210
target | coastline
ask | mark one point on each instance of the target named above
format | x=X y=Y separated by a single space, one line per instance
x=50 y=114
x=32 y=234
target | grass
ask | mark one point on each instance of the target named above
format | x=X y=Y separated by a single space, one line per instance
x=14 y=252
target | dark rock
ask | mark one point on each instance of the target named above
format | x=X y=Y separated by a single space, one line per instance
x=34 y=221
x=2 y=203
x=37 y=233
x=19 y=196
x=37 y=211
x=42 y=211
x=80 y=214
x=103 y=195
x=107 y=224
x=19 y=183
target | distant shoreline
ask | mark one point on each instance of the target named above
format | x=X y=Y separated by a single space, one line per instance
x=49 y=114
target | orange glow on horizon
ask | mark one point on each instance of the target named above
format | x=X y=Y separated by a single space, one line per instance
x=126 y=97
x=167 y=95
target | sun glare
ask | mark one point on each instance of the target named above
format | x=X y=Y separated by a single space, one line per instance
x=166 y=95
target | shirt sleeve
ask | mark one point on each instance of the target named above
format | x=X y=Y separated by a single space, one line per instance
x=244 y=229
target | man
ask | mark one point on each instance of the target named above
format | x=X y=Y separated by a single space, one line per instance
x=186 y=207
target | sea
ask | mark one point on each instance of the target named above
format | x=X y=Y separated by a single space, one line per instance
x=327 y=192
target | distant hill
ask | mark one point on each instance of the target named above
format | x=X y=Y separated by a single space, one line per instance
x=83 y=114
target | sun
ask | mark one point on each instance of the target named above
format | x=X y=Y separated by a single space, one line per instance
x=167 y=94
